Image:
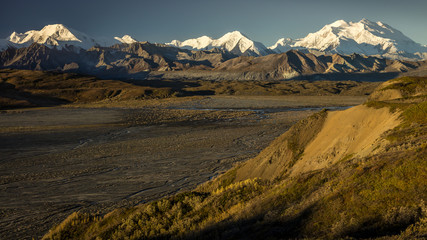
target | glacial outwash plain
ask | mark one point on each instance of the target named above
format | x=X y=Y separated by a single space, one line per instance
x=323 y=137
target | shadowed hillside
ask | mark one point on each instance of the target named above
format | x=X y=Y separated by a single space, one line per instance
x=358 y=173
x=26 y=88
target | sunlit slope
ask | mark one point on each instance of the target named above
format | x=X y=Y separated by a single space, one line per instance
x=374 y=185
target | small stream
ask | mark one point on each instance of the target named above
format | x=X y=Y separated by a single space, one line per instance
x=264 y=110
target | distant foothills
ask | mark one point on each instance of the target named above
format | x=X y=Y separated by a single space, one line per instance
x=339 y=48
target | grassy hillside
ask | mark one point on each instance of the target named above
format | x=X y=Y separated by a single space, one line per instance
x=375 y=188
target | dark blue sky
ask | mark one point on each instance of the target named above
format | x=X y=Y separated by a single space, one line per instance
x=165 y=20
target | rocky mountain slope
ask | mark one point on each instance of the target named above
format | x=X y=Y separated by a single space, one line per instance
x=142 y=60
x=123 y=60
x=363 y=37
x=357 y=173
x=296 y=63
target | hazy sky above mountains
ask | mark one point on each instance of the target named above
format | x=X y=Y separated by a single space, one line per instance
x=162 y=21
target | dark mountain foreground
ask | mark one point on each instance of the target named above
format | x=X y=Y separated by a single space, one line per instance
x=144 y=60
x=357 y=173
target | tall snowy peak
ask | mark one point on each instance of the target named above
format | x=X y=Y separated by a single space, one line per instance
x=56 y=35
x=363 y=37
x=379 y=37
x=234 y=42
x=126 y=39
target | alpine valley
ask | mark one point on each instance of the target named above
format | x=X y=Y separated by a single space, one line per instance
x=322 y=137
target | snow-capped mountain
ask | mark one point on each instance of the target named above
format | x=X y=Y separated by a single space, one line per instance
x=234 y=42
x=126 y=39
x=56 y=35
x=363 y=37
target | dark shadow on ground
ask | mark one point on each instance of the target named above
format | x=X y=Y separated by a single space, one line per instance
x=262 y=227
x=253 y=228
x=11 y=99
x=175 y=85
x=361 y=77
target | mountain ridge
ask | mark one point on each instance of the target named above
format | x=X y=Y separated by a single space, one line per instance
x=234 y=55
x=140 y=58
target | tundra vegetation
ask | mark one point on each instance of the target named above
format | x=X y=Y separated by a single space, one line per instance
x=380 y=195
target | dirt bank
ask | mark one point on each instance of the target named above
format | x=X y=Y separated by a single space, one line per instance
x=353 y=132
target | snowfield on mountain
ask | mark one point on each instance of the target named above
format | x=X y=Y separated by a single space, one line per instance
x=363 y=37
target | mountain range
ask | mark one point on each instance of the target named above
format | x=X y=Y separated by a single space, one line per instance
x=342 y=37
x=140 y=59
x=363 y=37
